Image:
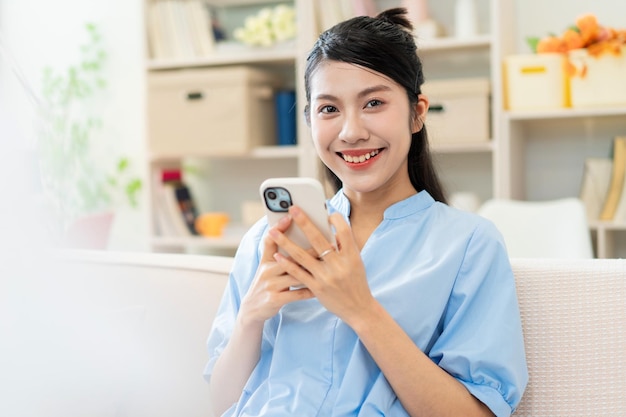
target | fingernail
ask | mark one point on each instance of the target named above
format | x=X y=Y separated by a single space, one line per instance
x=283 y=221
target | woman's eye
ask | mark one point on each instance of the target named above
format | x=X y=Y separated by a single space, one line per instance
x=328 y=109
x=373 y=103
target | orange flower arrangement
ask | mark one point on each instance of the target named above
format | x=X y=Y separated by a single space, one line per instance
x=586 y=33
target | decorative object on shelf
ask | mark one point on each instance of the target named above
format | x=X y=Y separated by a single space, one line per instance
x=458 y=111
x=535 y=82
x=212 y=224
x=209 y=111
x=596 y=61
x=74 y=181
x=269 y=26
x=364 y=8
x=598 y=80
x=465 y=19
x=424 y=26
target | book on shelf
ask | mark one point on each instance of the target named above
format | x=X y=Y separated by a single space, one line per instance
x=159 y=40
x=620 y=211
x=616 y=186
x=175 y=208
x=179 y=29
x=202 y=29
x=595 y=185
x=331 y=12
x=182 y=29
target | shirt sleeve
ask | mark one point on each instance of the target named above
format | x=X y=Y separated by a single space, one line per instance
x=244 y=268
x=481 y=343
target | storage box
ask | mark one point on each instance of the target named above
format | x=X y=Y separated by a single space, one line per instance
x=535 y=82
x=211 y=111
x=459 y=110
x=599 y=81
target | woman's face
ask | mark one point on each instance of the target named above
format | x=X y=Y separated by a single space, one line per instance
x=361 y=126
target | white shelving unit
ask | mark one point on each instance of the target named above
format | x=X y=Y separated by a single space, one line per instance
x=541 y=154
x=530 y=155
x=214 y=175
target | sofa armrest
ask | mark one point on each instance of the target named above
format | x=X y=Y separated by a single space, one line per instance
x=109 y=334
x=574 y=321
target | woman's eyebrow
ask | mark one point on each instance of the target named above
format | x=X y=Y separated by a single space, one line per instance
x=362 y=93
x=374 y=89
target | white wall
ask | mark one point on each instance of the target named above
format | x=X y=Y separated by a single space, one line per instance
x=40 y=33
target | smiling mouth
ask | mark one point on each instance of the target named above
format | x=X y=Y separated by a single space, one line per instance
x=359 y=159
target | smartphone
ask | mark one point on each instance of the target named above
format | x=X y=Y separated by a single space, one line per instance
x=278 y=194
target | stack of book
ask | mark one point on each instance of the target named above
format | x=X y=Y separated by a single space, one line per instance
x=179 y=29
x=176 y=211
x=603 y=188
x=330 y=12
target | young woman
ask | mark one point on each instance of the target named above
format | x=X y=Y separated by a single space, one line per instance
x=414 y=312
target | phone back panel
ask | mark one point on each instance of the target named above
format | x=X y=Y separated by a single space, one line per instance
x=308 y=194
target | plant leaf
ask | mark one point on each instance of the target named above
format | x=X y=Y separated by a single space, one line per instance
x=532 y=43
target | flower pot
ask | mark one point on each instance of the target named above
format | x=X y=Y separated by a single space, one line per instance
x=90 y=231
x=599 y=80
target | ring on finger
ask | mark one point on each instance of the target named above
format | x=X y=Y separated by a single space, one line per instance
x=326 y=252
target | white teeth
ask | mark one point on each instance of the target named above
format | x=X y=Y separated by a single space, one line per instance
x=360 y=158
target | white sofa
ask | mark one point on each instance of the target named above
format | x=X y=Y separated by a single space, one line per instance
x=123 y=334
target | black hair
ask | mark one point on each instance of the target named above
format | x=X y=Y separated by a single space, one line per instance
x=385 y=44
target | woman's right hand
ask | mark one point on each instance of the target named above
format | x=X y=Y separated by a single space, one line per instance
x=270 y=290
x=271 y=287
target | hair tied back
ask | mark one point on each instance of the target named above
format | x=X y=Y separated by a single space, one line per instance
x=397 y=16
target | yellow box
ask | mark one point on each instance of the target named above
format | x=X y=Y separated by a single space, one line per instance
x=459 y=110
x=535 y=82
x=210 y=111
x=599 y=81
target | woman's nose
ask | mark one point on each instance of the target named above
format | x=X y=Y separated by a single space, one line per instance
x=353 y=129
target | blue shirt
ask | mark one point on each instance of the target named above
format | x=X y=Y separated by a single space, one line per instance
x=445 y=277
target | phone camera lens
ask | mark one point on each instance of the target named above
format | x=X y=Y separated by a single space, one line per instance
x=284 y=204
x=271 y=195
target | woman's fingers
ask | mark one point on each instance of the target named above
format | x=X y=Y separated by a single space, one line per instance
x=269 y=245
x=317 y=239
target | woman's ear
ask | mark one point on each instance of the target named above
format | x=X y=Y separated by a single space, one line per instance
x=307 y=115
x=421 y=109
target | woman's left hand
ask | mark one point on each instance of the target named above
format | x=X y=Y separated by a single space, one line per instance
x=337 y=278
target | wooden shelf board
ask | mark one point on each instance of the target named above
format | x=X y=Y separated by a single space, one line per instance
x=472 y=147
x=530 y=115
x=231 y=55
x=452 y=43
x=263 y=152
x=225 y=242
x=604 y=225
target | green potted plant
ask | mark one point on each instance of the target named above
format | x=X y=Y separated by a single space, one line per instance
x=79 y=192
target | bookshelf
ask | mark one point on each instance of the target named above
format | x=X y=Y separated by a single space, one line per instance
x=541 y=154
x=531 y=155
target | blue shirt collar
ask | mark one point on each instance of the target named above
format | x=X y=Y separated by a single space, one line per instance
x=420 y=201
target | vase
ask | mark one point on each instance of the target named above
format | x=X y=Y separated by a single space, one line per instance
x=364 y=8
x=465 y=19
x=423 y=25
x=90 y=231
